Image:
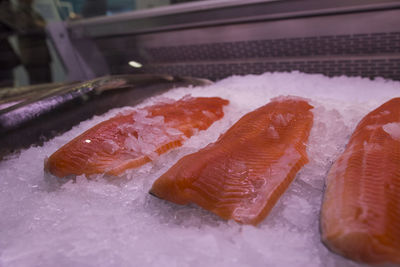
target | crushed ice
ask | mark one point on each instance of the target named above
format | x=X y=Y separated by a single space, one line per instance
x=103 y=222
x=146 y=134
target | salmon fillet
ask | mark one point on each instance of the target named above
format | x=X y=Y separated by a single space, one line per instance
x=242 y=175
x=134 y=138
x=360 y=216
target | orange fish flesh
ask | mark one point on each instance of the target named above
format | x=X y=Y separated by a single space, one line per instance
x=134 y=138
x=360 y=216
x=243 y=174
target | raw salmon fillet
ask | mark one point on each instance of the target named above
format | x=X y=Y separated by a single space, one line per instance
x=134 y=138
x=360 y=216
x=242 y=175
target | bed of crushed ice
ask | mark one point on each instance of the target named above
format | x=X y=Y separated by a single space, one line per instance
x=117 y=223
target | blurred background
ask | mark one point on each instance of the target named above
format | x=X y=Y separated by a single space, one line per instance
x=48 y=46
x=27 y=55
x=44 y=41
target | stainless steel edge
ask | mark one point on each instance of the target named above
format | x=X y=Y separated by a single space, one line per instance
x=213 y=13
x=342 y=24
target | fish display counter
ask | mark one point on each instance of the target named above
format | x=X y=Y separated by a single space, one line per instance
x=274 y=157
x=109 y=218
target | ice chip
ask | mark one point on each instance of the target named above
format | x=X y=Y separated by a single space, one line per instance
x=393 y=129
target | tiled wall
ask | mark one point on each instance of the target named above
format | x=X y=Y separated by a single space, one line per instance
x=360 y=44
x=367 y=55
